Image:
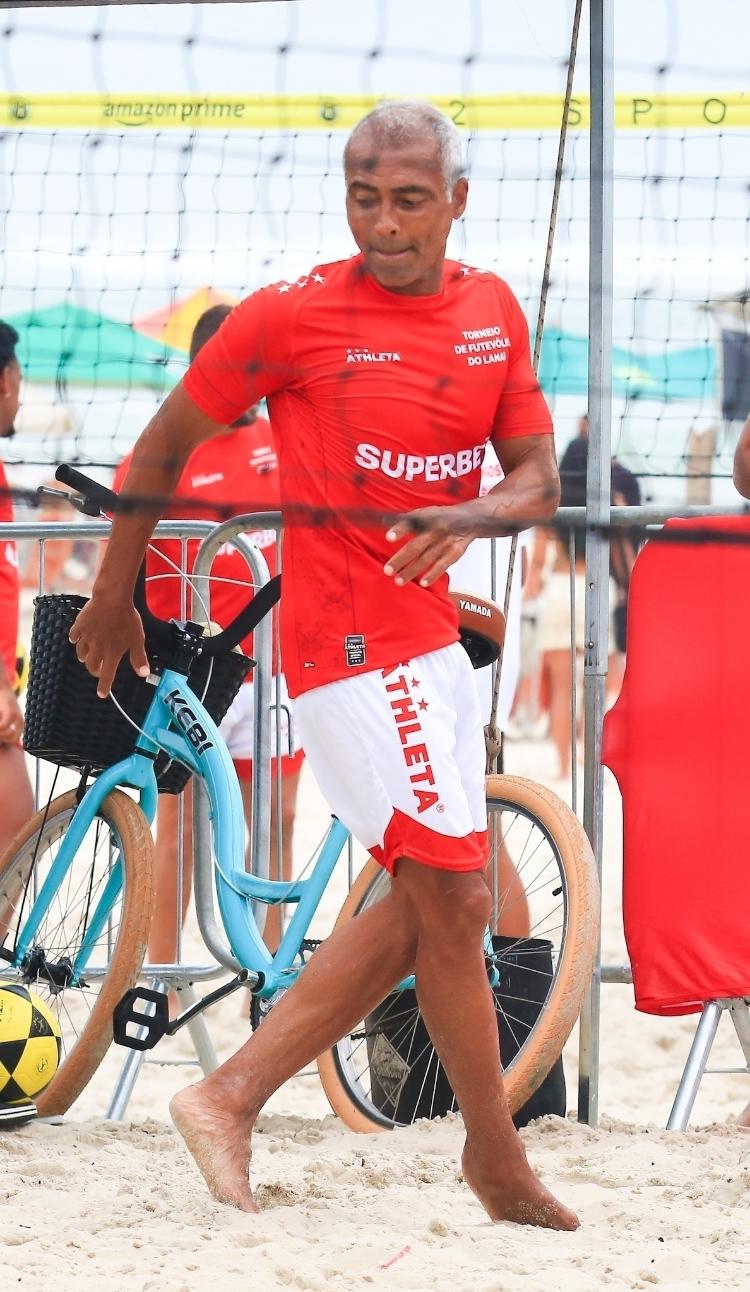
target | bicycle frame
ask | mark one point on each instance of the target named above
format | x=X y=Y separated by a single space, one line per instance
x=195 y=740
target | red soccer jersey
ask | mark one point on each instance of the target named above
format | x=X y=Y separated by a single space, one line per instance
x=381 y=403
x=8 y=585
x=238 y=471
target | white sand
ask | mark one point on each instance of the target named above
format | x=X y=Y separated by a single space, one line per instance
x=91 y=1203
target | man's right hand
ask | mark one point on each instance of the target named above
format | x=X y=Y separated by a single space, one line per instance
x=104 y=630
x=11 y=718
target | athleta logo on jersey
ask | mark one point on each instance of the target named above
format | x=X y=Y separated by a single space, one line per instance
x=363 y=354
x=412 y=466
x=416 y=754
x=483 y=345
x=354 y=649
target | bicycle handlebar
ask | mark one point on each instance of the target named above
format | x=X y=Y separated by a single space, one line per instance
x=103 y=499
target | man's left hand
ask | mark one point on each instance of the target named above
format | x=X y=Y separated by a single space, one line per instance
x=433 y=538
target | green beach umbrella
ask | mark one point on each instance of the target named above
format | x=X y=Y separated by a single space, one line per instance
x=68 y=345
x=688 y=373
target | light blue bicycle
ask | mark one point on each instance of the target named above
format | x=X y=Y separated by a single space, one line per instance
x=76 y=886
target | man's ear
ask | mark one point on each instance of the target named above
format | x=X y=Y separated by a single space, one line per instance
x=460 y=194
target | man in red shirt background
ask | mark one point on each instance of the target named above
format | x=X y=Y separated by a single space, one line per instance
x=16 y=798
x=235 y=472
x=386 y=375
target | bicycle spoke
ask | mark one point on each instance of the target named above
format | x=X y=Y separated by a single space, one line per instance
x=65 y=924
x=388 y=1064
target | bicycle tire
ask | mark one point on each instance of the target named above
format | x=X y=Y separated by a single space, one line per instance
x=82 y=1053
x=575 y=962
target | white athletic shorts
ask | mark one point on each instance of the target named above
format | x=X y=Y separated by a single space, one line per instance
x=399 y=757
x=237 y=727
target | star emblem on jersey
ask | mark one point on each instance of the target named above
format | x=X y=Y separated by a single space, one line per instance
x=415 y=681
x=285 y=287
x=318 y=278
x=423 y=704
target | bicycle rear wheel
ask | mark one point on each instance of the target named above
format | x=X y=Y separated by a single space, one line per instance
x=83 y=1007
x=385 y=1072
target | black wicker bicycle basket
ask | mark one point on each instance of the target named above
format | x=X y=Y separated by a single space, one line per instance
x=66 y=723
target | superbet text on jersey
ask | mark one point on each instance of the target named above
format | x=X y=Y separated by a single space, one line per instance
x=380 y=404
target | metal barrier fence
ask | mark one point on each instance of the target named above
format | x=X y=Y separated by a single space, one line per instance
x=180 y=975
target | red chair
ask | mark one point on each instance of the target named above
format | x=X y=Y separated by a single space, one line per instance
x=678 y=742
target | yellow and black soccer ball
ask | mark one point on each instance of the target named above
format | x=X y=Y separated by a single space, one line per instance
x=22 y=669
x=29 y=1043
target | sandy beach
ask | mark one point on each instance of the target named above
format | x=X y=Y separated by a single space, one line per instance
x=90 y=1201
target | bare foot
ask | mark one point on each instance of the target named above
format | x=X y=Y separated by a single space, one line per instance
x=220 y=1143
x=509 y=1190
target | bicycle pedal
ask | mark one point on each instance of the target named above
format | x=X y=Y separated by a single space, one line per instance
x=152 y=1026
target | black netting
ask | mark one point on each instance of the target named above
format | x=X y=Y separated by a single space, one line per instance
x=153 y=158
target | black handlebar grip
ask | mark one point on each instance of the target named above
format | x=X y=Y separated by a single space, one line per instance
x=97 y=493
x=156 y=629
x=248 y=619
x=106 y=499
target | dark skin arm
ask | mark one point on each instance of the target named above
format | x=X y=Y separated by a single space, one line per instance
x=742 y=462
x=110 y=625
x=435 y=537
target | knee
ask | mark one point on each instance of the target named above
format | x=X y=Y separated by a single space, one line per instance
x=455 y=906
x=470 y=910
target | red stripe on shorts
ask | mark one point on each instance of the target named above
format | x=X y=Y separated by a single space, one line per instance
x=405 y=837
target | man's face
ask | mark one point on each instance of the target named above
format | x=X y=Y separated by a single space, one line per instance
x=10 y=395
x=400 y=214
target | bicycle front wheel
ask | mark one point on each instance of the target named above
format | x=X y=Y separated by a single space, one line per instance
x=386 y=1072
x=94 y=921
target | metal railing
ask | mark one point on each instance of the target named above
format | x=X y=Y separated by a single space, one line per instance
x=179 y=975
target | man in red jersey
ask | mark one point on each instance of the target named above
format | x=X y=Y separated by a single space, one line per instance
x=386 y=375
x=16 y=798
x=238 y=470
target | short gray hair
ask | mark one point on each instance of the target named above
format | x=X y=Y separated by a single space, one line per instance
x=396 y=124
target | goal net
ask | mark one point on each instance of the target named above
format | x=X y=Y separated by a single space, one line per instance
x=158 y=158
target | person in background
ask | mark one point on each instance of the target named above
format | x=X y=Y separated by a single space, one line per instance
x=532 y=715
x=16 y=797
x=575 y=455
x=238 y=469
x=549 y=585
x=62 y=569
x=623 y=549
x=742 y=462
x=472 y=573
